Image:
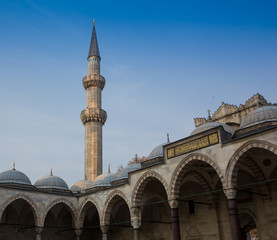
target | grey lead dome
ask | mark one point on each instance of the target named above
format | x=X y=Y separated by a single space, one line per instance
x=82 y=185
x=262 y=114
x=130 y=168
x=211 y=125
x=157 y=151
x=14 y=176
x=51 y=182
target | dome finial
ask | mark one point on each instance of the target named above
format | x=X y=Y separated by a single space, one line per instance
x=209 y=115
x=109 y=169
x=167 y=137
x=85 y=176
x=13 y=165
x=136 y=158
x=51 y=172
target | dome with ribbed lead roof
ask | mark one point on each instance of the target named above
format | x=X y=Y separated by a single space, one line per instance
x=260 y=115
x=14 y=176
x=82 y=185
x=51 y=182
x=157 y=152
x=130 y=168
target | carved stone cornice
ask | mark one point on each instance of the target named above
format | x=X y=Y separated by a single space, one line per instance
x=94 y=80
x=93 y=115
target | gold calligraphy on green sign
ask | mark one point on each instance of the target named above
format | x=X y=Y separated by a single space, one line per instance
x=193 y=145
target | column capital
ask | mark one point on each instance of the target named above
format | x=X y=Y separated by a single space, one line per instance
x=230 y=193
x=104 y=229
x=78 y=232
x=173 y=203
x=39 y=230
x=135 y=217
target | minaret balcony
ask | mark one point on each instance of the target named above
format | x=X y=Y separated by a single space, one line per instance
x=93 y=115
x=94 y=80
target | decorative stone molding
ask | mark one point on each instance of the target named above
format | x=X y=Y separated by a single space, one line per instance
x=94 y=81
x=34 y=207
x=179 y=173
x=93 y=115
x=83 y=208
x=141 y=184
x=232 y=171
x=64 y=201
x=109 y=205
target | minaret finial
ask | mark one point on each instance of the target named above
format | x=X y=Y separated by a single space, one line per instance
x=93 y=22
x=51 y=172
x=167 y=137
x=13 y=165
x=109 y=169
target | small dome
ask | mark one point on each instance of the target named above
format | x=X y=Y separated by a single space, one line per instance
x=14 y=176
x=211 y=125
x=104 y=180
x=260 y=115
x=157 y=151
x=82 y=185
x=51 y=182
x=130 y=168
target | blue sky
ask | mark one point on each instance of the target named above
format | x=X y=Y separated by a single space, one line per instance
x=165 y=62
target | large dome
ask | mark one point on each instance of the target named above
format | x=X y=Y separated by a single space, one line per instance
x=51 y=182
x=211 y=125
x=104 y=180
x=82 y=185
x=260 y=115
x=130 y=168
x=14 y=176
x=157 y=151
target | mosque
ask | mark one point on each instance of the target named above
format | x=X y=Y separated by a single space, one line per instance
x=220 y=182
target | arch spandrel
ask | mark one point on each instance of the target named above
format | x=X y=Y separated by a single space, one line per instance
x=82 y=210
x=33 y=205
x=231 y=172
x=65 y=202
x=141 y=184
x=105 y=218
x=179 y=171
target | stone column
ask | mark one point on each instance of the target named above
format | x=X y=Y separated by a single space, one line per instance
x=38 y=233
x=104 y=230
x=233 y=213
x=135 y=221
x=78 y=233
x=175 y=220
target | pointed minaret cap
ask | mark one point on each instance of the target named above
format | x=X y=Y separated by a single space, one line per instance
x=93 y=50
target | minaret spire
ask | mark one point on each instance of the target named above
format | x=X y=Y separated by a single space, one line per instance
x=93 y=117
x=94 y=49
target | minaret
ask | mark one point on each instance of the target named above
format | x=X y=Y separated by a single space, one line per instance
x=93 y=117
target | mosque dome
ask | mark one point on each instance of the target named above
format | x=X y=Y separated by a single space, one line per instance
x=104 y=180
x=260 y=115
x=82 y=185
x=14 y=176
x=51 y=182
x=157 y=151
x=211 y=125
x=130 y=168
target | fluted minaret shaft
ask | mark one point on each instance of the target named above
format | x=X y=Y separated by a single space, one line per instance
x=93 y=117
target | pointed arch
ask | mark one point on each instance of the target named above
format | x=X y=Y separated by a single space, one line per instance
x=30 y=201
x=179 y=172
x=64 y=201
x=83 y=208
x=105 y=220
x=142 y=182
x=232 y=172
